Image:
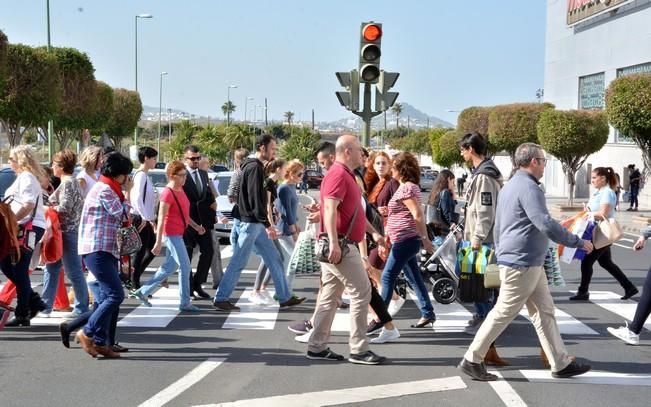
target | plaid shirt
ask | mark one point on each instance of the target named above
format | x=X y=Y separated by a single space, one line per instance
x=101 y=218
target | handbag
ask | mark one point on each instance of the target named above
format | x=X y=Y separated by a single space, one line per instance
x=492 y=276
x=52 y=248
x=607 y=232
x=323 y=243
x=26 y=236
x=303 y=259
x=471 y=267
x=128 y=239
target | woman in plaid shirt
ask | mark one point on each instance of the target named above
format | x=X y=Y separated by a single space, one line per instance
x=102 y=216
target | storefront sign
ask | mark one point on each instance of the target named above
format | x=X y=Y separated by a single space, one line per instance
x=630 y=70
x=579 y=10
x=592 y=91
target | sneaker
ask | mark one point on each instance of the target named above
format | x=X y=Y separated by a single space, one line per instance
x=625 y=334
x=325 y=355
x=189 y=308
x=302 y=327
x=70 y=315
x=573 y=369
x=44 y=314
x=132 y=294
x=257 y=298
x=395 y=305
x=266 y=297
x=387 y=335
x=366 y=358
x=293 y=300
x=374 y=327
x=305 y=338
x=225 y=306
x=476 y=320
x=142 y=298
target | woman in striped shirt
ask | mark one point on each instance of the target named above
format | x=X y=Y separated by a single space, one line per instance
x=407 y=232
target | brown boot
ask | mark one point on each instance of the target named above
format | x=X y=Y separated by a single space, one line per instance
x=107 y=352
x=86 y=343
x=544 y=360
x=492 y=358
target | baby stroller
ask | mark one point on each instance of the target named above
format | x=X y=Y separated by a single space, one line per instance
x=439 y=268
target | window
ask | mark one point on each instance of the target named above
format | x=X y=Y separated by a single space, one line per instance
x=592 y=91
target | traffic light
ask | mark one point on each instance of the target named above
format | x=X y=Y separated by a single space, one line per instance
x=350 y=81
x=369 y=52
x=383 y=98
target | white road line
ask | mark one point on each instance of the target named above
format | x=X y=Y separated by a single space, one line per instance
x=567 y=324
x=351 y=395
x=505 y=392
x=252 y=316
x=621 y=245
x=452 y=317
x=165 y=307
x=592 y=377
x=610 y=301
x=626 y=240
x=184 y=383
x=55 y=319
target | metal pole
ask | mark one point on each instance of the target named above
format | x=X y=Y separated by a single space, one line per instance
x=266 y=123
x=169 y=125
x=160 y=106
x=228 y=106
x=135 y=132
x=366 y=134
x=50 y=123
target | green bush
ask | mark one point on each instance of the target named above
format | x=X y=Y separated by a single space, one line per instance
x=448 y=149
x=474 y=120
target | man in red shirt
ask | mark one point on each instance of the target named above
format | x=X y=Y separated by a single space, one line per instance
x=342 y=214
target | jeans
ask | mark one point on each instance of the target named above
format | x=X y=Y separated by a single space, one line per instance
x=235 y=231
x=635 y=191
x=72 y=267
x=403 y=256
x=287 y=246
x=105 y=268
x=175 y=256
x=483 y=308
x=253 y=237
x=82 y=319
x=19 y=275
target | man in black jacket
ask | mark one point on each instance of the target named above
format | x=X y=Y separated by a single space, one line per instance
x=255 y=232
x=203 y=210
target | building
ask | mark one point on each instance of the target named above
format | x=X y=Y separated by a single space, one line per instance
x=588 y=43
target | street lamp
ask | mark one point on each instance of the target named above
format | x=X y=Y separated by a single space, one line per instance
x=246 y=100
x=50 y=124
x=138 y=16
x=169 y=125
x=228 y=105
x=160 y=105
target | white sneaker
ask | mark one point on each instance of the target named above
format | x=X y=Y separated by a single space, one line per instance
x=267 y=298
x=43 y=314
x=387 y=335
x=305 y=338
x=395 y=305
x=625 y=334
x=257 y=298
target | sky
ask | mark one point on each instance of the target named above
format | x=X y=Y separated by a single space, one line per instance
x=450 y=54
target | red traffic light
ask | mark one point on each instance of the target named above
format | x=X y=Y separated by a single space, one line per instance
x=372 y=32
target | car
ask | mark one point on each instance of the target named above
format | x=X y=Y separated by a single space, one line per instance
x=219 y=168
x=223 y=230
x=160 y=165
x=426 y=181
x=7 y=177
x=314 y=178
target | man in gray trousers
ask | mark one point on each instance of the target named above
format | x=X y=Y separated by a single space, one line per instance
x=522 y=228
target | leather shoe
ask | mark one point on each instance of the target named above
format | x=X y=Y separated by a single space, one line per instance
x=65 y=334
x=476 y=370
x=86 y=343
x=580 y=297
x=630 y=293
x=107 y=352
x=573 y=369
x=200 y=293
x=119 y=348
x=18 y=321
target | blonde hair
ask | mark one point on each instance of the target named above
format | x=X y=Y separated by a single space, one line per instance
x=89 y=158
x=293 y=166
x=24 y=157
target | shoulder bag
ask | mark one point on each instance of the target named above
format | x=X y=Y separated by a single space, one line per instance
x=128 y=239
x=323 y=243
x=607 y=232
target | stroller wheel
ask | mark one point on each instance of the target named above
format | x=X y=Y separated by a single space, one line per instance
x=444 y=290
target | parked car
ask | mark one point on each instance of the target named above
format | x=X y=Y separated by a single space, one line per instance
x=7 y=177
x=314 y=178
x=426 y=181
x=219 y=168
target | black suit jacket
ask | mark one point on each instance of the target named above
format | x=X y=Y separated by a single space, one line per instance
x=200 y=210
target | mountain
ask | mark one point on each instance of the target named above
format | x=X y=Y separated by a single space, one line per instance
x=410 y=116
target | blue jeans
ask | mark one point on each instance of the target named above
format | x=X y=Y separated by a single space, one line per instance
x=235 y=231
x=253 y=237
x=175 y=256
x=105 y=268
x=72 y=267
x=403 y=257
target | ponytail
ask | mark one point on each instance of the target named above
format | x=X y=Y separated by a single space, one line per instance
x=609 y=174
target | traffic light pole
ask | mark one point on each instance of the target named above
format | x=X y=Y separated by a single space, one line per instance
x=367 y=114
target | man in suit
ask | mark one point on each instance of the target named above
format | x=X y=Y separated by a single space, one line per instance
x=203 y=209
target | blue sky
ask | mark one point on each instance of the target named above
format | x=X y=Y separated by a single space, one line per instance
x=450 y=54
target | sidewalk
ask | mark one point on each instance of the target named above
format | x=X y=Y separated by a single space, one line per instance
x=630 y=222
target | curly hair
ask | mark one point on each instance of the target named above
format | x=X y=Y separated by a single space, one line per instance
x=407 y=166
x=24 y=157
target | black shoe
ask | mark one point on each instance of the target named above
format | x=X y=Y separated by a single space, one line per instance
x=573 y=369
x=629 y=209
x=374 y=327
x=580 y=297
x=476 y=370
x=225 y=306
x=65 y=334
x=18 y=321
x=630 y=293
x=325 y=355
x=423 y=322
x=366 y=358
x=201 y=294
x=344 y=305
x=293 y=300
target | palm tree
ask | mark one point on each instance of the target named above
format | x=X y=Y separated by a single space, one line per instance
x=227 y=109
x=397 y=109
x=289 y=116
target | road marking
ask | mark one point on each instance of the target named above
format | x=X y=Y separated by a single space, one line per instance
x=621 y=245
x=610 y=301
x=626 y=240
x=451 y=317
x=505 y=392
x=592 y=377
x=252 y=316
x=165 y=307
x=184 y=383
x=351 y=395
x=567 y=324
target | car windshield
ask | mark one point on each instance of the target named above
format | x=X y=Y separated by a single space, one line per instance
x=223 y=183
x=158 y=178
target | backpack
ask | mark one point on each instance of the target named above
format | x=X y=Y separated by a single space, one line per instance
x=8 y=228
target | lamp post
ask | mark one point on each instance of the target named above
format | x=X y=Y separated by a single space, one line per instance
x=246 y=100
x=169 y=125
x=160 y=105
x=228 y=105
x=50 y=123
x=138 y=16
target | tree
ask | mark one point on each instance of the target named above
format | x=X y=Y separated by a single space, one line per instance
x=278 y=131
x=448 y=150
x=211 y=142
x=628 y=106
x=32 y=92
x=102 y=108
x=474 y=120
x=289 y=116
x=514 y=124
x=417 y=142
x=127 y=109
x=3 y=60
x=237 y=136
x=184 y=133
x=571 y=136
x=301 y=145
x=397 y=109
x=79 y=95
x=435 y=135
x=228 y=108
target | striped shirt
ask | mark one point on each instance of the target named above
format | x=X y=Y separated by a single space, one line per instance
x=400 y=223
x=101 y=218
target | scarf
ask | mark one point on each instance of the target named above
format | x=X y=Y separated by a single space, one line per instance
x=115 y=186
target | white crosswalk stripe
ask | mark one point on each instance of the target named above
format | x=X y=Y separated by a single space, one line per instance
x=165 y=307
x=252 y=316
x=611 y=302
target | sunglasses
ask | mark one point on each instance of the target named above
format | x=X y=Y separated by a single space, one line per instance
x=181 y=174
x=197 y=158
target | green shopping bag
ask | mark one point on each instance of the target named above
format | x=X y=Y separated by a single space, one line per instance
x=471 y=266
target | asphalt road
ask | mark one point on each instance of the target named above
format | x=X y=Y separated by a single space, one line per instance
x=206 y=358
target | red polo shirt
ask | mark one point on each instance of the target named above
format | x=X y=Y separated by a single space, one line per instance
x=339 y=183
